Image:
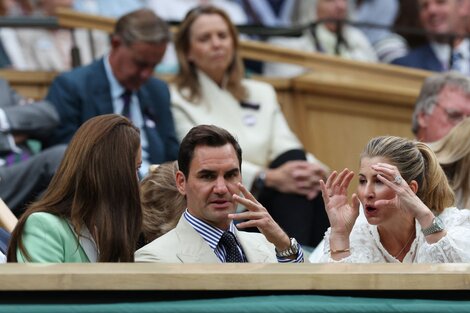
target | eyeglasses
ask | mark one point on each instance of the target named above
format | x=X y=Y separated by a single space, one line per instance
x=455 y=116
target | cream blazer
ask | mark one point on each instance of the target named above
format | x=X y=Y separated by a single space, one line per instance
x=184 y=245
x=262 y=133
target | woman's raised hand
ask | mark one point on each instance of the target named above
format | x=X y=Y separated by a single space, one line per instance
x=406 y=198
x=341 y=214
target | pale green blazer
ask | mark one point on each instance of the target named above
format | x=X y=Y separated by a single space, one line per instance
x=49 y=239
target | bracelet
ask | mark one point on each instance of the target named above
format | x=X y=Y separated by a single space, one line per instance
x=340 y=250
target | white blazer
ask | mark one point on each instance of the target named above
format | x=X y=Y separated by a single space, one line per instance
x=262 y=133
x=184 y=245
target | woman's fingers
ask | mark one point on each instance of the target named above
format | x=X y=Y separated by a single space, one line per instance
x=347 y=180
x=387 y=170
x=324 y=193
x=330 y=180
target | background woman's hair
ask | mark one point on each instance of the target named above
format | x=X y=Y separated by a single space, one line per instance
x=453 y=154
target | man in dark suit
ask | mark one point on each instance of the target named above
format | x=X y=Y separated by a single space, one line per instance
x=440 y=18
x=122 y=82
x=25 y=173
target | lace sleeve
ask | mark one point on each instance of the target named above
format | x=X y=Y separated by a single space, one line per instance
x=362 y=246
x=455 y=246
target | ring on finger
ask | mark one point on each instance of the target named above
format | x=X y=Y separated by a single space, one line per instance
x=398 y=180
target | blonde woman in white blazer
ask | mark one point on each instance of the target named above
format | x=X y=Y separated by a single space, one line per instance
x=210 y=89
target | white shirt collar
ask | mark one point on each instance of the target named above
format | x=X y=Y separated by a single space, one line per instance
x=442 y=52
x=115 y=87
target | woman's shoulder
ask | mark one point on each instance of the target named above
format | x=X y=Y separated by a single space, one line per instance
x=44 y=218
x=453 y=216
x=179 y=96
x=257 y=84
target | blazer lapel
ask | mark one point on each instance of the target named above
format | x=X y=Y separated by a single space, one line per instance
x=150 y=127
x=192 y=247
x=256 y=251
x=101 y=93
x=432 y=61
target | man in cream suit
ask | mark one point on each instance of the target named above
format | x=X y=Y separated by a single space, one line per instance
x=210 y=178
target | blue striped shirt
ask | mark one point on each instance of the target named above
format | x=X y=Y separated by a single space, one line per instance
x=213 y=234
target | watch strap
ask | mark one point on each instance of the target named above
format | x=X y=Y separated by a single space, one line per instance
x=292 y=250
x=436 y=226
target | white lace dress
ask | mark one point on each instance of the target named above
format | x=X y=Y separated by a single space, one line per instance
x=366 y=247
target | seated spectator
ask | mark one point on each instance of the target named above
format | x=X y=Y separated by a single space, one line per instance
x=11 y=53
x=50 y=50
x=351 y=44
x=408 y=19
x=453 y=154
x=7 y=223
x=91 y=210
x=442 y=53
x=271 y=13
x=377 y=12
x=122 y=82
x=25 y=170
x=406 y=200
x=162 y=203
x=444 y=101
x=113 y=9
x=175 y=11
x=209 y=177
x=210 y=89
x=387 y=44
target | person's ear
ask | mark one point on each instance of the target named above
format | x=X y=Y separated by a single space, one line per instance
x=414 y=186
x=189 y=57
x=116 y=41
x=422 y=119
x=181 y=183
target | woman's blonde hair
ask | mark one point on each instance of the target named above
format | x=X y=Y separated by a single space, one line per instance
x=453 y=153
x=162 y=203
x=186 y=78
x=415 y=161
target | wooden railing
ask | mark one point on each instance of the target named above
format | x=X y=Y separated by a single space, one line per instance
x=255 y=277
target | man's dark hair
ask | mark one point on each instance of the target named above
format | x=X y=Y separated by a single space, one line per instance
x=142 y=25
x=204 y=135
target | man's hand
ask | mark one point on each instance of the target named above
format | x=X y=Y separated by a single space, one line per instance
x=300 y=177
x=258 y=216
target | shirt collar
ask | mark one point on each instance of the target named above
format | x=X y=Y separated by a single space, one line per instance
x=442 y=51
x=116 y=88
x=208 y=232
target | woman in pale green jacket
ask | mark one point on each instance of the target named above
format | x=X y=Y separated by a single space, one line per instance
x=91 y=210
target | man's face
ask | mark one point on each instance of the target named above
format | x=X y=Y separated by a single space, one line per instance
x=213 y=178
x=439 y=16
x=334 y=9
x=464 y=16
x=451 y=108
x=133 y=64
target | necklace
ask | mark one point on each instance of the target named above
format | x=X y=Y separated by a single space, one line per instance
x=406 y=244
